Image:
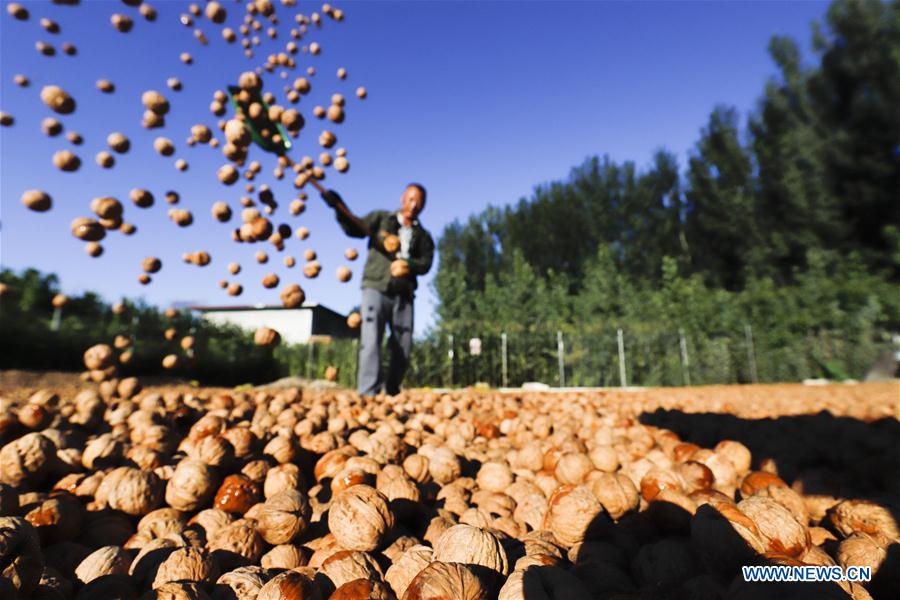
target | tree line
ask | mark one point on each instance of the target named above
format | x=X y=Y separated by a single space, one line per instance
x=788 y=217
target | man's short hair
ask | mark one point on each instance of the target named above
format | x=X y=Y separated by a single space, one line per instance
x=421 y=189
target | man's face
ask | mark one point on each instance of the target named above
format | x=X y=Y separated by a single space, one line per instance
x=411 y=203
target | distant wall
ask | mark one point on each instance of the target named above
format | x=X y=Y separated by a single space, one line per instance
x=295 y=326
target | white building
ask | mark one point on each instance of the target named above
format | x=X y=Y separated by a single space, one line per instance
x=301 y=325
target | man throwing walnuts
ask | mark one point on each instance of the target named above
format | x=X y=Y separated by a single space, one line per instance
x=400 y=250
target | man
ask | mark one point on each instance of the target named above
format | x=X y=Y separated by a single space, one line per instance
x=400 y=250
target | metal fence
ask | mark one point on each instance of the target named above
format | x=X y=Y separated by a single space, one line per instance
x=619 y=357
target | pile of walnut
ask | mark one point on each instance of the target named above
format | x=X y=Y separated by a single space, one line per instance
x=130 y=493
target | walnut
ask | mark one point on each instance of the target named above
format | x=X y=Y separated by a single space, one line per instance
x=865 y=550
x=266 y=336
x=572 y=509
x=191 y=486
x=360 y=589
x=289 y=585
x=281 y=478
x=132 y=491
x=242 y=440
x=470 y=545
x=27 y=459
x=108 y=560
x=443 y=465
x=347 y=565
x=548 y=581
x=403 y=570
x=177 y=590
x=145 y=565
x=572 y=468
x=187 y=564
x=20 y=555
x=241 y=584
x=736 y=453
x=285 y=556
x=757 y=480
x=713 y=532
x=694 y=476
x=56 y=518
x=237 y=494
x=779 y=529
x=359 y=517
x=238 y=542
x=210 y=520
x=284 y=516
x=862 y=516
x=214 y=450
x=494 y=476
x=531 y=510
x=447 y=580
x=616 y=493
x=57 y=100
x=282 y=448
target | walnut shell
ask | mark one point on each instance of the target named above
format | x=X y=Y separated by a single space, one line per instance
x=57 y=518
x=363 y=589
x=443 y=465
x=779 y=529
x=289 y=585
x=446 y=580
x=546 y=582
x=471 y=545
x=20 y=555
x=187 y=564
x=285 y=556
x=572 y=510
x=347 y=565
x=27 y=459
x=359 y=518
x=243 y=583
x=863 y=516
x=494 y=476
x=108 y=560
x=237 y=494
x=132 y=491
x=238 y=542
x=616 y=493
x=284 y=516
x=191 y=486
x=713 y=530
x=403 y=570
x=282 y=478
x=737 y=453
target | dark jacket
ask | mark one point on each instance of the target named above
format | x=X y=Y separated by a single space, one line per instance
x=377 y=272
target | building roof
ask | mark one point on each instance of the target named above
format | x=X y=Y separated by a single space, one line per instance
x=249 y=307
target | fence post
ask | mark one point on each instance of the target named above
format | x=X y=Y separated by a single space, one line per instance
x=622 y=380
x=57 y=318
x=503 y=365
x=309 y=359
x=751 y=355
x=561 y=359
x=450 y=357
x=685 y=359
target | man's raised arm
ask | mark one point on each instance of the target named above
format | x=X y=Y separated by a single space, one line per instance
x=350 y=223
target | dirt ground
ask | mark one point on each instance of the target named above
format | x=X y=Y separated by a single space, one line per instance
x=864 y=401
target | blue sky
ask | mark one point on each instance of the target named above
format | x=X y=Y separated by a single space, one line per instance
x=480 y=101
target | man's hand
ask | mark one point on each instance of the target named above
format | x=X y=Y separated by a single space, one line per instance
x=399 y=268
x=390 y=242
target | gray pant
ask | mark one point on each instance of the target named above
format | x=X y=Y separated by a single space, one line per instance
x=377 y=310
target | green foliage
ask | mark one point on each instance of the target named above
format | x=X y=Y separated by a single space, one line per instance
x=222 y=354
x=788 y=224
